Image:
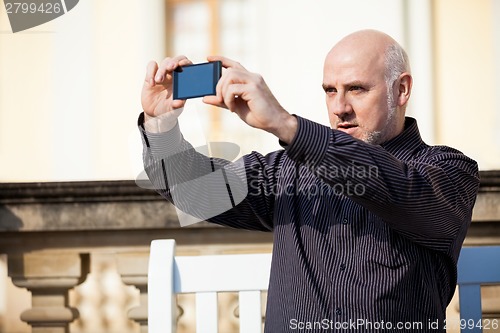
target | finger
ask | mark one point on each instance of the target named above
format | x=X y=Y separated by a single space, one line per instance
x=229 y=76
x=232 y=94
x=232 y=76
x=168 y=65
x=185 y=62
x=180 y=63
x=151 y=69
x=226 y=62
x=215 y=101
x=162 y=69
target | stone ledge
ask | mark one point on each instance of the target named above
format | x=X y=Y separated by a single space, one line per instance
x=122 y=205
x=126 y=190
x=490 y=180
x=75 y=192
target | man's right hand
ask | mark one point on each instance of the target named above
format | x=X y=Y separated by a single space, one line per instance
x=156 y=96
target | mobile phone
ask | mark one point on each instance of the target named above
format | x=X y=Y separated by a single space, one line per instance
x=196 y=80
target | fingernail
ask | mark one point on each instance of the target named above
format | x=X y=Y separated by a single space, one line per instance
x=159 y=78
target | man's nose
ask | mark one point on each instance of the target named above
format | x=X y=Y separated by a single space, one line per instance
x=340 y=106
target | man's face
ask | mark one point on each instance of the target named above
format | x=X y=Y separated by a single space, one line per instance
x=356 y=95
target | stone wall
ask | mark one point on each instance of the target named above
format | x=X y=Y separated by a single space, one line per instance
x=81 y=249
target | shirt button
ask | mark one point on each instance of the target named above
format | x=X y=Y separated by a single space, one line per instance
x=338 y=311
x=342 y=267
x=345 y=221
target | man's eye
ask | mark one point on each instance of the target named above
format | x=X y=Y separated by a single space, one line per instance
x=330 y=90
x=356 y=88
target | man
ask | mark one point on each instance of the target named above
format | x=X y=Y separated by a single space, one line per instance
x=368 y=220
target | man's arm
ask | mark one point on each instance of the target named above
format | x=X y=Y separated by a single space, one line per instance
x=206 y=188
x=428 y=198
x=248 y=95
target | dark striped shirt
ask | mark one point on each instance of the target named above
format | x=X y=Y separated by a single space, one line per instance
x=366 y=237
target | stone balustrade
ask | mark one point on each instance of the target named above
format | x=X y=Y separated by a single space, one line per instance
x=54 y=236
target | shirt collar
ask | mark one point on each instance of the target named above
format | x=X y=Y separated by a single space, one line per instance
x=407 y=141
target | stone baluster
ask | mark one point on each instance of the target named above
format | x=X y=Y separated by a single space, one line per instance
x=133 y=269
x=49 y=277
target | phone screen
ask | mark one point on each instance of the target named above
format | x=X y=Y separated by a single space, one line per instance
x=196 y=80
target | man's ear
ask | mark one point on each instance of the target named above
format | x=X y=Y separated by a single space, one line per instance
x=404 y=88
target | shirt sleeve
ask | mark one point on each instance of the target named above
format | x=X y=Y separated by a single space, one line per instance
x=428 y=196
x=201 y=187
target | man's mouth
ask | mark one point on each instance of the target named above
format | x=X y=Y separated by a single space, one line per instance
x=348 y=128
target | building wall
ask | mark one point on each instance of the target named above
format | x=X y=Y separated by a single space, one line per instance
x=70 y=89
x=467 y=57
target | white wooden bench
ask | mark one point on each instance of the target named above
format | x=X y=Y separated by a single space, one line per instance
x=169 y=275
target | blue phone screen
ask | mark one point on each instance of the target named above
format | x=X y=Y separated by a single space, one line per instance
x=196 y=80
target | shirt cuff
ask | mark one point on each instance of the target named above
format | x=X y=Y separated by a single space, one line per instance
x=310 y=142
x=162 y=143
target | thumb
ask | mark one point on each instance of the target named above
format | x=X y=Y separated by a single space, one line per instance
x=178 y=103
x=215 y=101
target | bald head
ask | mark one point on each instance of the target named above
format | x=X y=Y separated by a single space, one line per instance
x=368 y=82
x=364 y=41
x=373 y=48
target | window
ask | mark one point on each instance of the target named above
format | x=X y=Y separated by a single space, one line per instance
x=197 y=28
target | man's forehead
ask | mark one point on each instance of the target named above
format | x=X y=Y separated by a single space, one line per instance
x=362 y=50
x=354 y=55
x=350 y=67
